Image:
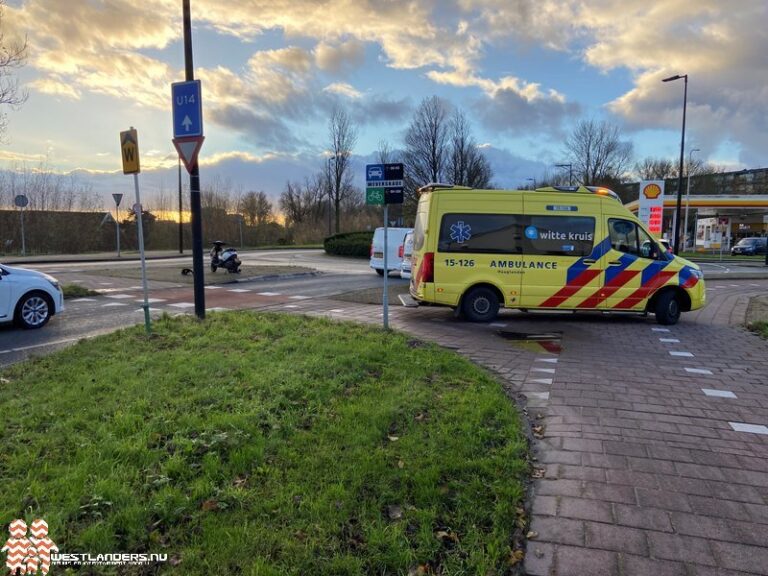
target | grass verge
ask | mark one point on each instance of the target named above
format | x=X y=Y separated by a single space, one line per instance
x=77 y=291
x=266 y=444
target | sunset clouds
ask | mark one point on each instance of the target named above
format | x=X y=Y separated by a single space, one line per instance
x=518 y=67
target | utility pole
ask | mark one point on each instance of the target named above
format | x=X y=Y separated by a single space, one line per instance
x=194 y=185
x=181 y=215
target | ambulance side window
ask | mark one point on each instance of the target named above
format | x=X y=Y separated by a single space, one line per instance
x=480 y=233
x=623 y=236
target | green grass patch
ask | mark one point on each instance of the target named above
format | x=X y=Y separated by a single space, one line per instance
x=760 y=328
x=77 y=291
x=265 y=444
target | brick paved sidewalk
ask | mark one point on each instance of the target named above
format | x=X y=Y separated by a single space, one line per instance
x=645 y=465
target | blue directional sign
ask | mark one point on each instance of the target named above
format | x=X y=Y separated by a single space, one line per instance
x=187 y=109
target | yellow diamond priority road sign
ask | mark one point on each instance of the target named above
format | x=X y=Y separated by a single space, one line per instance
x=129 y=146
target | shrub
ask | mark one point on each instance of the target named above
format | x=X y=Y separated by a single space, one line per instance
x=354 y=244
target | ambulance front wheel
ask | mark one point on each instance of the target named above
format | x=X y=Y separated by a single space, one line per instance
x=480 y=304
x=667 y=308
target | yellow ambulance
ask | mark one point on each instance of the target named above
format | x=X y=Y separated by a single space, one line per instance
x=560 y=248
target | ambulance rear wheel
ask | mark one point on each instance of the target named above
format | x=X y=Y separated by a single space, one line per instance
x=480 y=305
x=667 y=309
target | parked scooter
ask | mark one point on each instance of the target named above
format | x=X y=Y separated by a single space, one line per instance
x=225 y=258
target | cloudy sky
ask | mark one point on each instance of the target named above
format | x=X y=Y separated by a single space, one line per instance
x=524 y=71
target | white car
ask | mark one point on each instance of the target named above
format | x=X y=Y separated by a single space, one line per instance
x=28 y=298
x=395 y=248
x=405 y=266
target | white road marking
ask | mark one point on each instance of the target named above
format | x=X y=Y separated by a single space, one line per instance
x=183 y=305
x=758 y=285
x=540 y=381
x=660 y=329
x=698 y=371
x=151 y=300
x=268 y=293
x=550 y=360
x=213 y=287
x=114 y=304
x=83 y=300
x=238 y=290
x=300 y=297
x=668 y=340
x=32 y=346
x=150 y=309
x=752 y=428
x=336 y=310
x=539 y=395
x=545 y=370
x=119 y=296
x=290 y=306
x=734 y=285
x=106 y=283
x=681 y=354
x=218 y=309
x=718 y=393
x=498 y=325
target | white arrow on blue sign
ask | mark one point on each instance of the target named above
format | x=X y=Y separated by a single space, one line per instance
x=187 y=109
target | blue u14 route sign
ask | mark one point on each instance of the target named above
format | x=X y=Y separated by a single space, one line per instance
x=187 y=109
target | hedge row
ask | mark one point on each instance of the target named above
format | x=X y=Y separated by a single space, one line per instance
x=355 y=244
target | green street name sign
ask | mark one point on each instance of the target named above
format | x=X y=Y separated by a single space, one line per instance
x=374 y=196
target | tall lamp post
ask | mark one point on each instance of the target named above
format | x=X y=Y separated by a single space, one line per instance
x=678 y=211
x=570 y=172
x=688 y=196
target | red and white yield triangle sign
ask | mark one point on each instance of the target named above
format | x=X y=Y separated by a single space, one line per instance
x=188 y=149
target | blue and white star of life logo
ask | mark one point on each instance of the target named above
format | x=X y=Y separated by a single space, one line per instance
x=461 y=232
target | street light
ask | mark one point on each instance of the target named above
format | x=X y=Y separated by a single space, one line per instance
x=688 y=196
x=570 y=172
x=682 y=157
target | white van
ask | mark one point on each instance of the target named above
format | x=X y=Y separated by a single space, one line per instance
x=395 y=248
x=405 y=267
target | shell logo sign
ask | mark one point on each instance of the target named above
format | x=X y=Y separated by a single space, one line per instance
x=652 y=191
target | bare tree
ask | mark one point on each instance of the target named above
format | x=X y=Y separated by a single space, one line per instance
x=467 y=166
x=385 y=154
x=655 y=168
x=256 y=208
x=343 y=135
x=598 y=154
x=299 y=203
x=426 y=143
x=13 y=55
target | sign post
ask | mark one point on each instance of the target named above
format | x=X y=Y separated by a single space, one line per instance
x=188 y=138
x=384 y=186
x=117 y=198
x=129 y=144
x=21 y=201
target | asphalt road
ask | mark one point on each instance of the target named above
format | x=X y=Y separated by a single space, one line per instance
x=120 y=302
